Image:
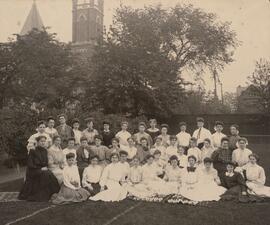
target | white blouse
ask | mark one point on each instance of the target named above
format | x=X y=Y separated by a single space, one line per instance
x=149 y=172
x=173 y=174
x=70 y=175
x=111 y=172
x=241 y=156
x=91 y=174
x=216 y=138
x=132 y=151
x=255 y=173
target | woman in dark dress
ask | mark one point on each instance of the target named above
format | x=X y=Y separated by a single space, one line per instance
x=235 y=184
x=40 y=183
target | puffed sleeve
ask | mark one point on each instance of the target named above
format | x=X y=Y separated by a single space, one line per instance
x=261 y=179
x=67 y=180
x=104 y=176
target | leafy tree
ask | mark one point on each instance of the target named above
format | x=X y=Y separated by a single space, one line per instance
x=260 y=80
x=37 y=67
x=137 y=67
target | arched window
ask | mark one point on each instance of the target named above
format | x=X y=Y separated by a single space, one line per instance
x=82 y=28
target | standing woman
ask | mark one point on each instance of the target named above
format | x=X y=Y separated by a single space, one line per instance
x=165 y=137
x=112 y=189
x=40 y=182
x=56 y=159
x=90 y=132
x=153 y=131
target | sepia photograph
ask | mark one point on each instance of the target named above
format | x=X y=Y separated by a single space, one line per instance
x=134 y=112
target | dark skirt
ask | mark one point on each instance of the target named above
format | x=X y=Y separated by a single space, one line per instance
x=96 y=189
x=235 y=194
x=39 y=186
x=67 y=195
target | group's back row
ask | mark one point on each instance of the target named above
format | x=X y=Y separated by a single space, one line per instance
x=149 y=134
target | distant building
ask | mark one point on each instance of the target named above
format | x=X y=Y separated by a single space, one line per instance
x=248 y=100
x=33 y=20
x=87 y=24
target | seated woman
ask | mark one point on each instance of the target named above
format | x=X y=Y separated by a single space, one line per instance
x=71 y=190
x=235 y=184
x=190 y=179
x=150 y=177
x=208 y=188
x=111 y=188
x=91 y=176
x=40 y=183
x=56 y=159
x=115 y=148
x=240 y=156
x=173 y=175
x=255 y=177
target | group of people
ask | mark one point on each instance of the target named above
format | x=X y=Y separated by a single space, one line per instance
x=68 y=165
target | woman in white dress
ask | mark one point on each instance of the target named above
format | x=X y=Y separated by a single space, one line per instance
x=207 y=188
x=71 y=190
x=190 y=179
x=111 y=188
x=56 y=159
x=241 y=154
x=173 y=175
x=255 y=177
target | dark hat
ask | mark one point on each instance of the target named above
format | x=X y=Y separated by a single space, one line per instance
x=71 y=139
x=106 y=122
x=182 y=124
x=173 y=137
x=70 y=155
x=122 y=152
x=219 y=123
x=173 y=157
x=200 y=119
x=98 y=137
x=236 y=126
x=40 y=122
x=75 y=120
x=89 y=119
x=192 y=157
x=164 y=125
x=156 y=152
x=62 y=115
x=142 y=124
x=207 y=160
x=50 y=118
x=224 y=139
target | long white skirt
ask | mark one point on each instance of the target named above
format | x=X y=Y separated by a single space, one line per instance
x=149 y=189
x=258 y=189
x=203 y=192
x=114 y=193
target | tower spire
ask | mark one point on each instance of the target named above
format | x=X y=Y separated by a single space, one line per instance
x=33 y=20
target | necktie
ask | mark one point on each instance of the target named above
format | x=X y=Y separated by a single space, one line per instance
x=199 y=134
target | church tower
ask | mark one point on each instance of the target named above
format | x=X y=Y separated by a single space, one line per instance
x=87 y=24
x=33 y=20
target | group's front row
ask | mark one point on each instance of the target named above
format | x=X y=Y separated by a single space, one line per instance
x=119 y=179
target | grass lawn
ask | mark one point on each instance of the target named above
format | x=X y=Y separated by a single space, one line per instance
x=139 y=213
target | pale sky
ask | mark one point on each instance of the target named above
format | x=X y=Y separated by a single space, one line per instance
x=250 y=19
